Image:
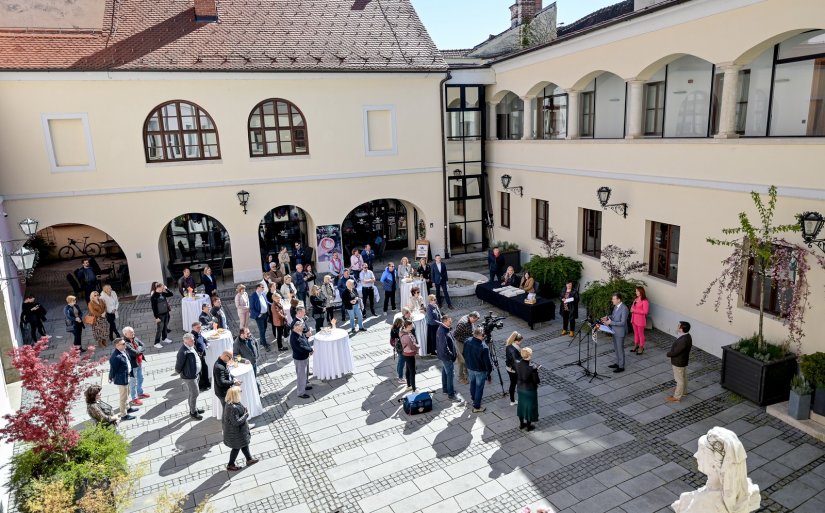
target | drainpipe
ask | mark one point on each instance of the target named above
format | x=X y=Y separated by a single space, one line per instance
x=444 y=159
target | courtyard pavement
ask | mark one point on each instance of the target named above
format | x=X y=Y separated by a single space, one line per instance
x=608 y=446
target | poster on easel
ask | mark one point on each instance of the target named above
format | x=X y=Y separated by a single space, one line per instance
x=422 y=248
x=328 y=237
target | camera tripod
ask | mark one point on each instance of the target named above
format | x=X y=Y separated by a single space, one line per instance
x=488 y=338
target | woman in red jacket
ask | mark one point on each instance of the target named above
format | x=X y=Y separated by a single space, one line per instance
x=638 y=318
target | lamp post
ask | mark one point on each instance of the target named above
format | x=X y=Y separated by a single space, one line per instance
x=243 y=198
x=505 y=182
x=23 y=258
x=603 y=193
x=810 y=224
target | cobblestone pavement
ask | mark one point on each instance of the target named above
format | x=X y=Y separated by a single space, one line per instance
x=613 y=445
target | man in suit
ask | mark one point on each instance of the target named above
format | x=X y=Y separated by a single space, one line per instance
x=368 y=256
x=259 y=307
x=119 y=371
x=679 y=353
x=617 y=320
x=222 y=378
x=247 y=347
x=495 y=260
x=188 y=366
x=299 y=282
x=438 y=273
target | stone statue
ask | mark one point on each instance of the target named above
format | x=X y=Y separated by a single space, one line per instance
x=721 y=457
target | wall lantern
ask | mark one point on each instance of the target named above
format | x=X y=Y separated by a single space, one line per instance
x=243 y=198
x=23 y=258
x=29 y=226
x=604 y=197
x=810 y=223
x=505 y=182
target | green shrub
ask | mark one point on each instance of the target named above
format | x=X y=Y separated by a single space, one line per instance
x=813 y=368
x=99 y=457
x=751 y=347
x=800 y=385
x=553 y=272
x=503 y=245
x=598 y=294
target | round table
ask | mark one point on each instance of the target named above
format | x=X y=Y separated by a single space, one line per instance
x=217 y=345
x=420 y=323
x=286 y=306
x=249 y=392
x=406 y=287
x=332 y=354
x=190 y=309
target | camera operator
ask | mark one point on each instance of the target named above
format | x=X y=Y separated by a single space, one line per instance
x=461 y=332
x=480 y=366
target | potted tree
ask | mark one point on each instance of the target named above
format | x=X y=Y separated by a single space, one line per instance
x=552 y=270
x=813 y=368
x=799 y=402
x=618 y=263
x=752 y=367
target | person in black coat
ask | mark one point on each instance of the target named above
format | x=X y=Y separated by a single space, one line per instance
x=528 y=385
x=236 y=434
x=318 y=307
x=447 y=354
x=208 y=281
x=496 y=263
x=87 y=278
x=204 y=381
x=568 y=309
x=301 y=351
x=188 y=366
x=33 y=314
x=160 y=310
x=205 y=318
x=223 y=379
x=512 y=356
x=679 y=354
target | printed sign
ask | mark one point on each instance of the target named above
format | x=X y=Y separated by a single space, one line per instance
x=328 y=238
x=422 y=248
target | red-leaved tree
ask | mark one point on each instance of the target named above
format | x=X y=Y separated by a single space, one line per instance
x=45 y=421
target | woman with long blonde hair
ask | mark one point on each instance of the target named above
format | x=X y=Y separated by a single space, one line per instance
x=512 y=355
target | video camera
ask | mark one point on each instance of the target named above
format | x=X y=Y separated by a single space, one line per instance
x=492 y=322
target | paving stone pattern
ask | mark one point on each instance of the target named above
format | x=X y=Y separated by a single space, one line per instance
x=611 y=445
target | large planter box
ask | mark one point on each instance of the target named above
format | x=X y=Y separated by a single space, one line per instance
x=757 y=381
x=512 y=258
x=819 y=401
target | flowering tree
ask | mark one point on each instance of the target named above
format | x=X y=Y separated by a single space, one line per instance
x=617 y=264
x=761 y=250
x=46 y=422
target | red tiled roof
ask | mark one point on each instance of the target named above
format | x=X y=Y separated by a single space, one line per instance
x=250 y=35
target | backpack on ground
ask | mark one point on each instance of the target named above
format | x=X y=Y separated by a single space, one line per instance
x=417 y=402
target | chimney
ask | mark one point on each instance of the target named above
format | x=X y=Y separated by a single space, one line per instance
x=523 y=10
x=206 y=11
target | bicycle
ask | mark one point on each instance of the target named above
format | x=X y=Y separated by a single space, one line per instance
x=90 y=249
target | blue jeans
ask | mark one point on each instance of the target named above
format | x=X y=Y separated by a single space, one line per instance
x=261 y=322
x=136 y=383
x=399 y=366
x=477 y=379
x=354 y=314
x=447 y=378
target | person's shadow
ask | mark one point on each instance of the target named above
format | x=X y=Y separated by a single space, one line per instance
x=382 y=397
x=454 y=439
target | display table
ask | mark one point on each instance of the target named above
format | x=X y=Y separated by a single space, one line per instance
x=406 y=287
x=332 y=355
x=190 y=309
x=217 y=345
x=542 y=310
x=249 y=392
x=420 y=323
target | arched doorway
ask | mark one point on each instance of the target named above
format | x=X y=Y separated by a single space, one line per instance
x=194 y=241
x=283 y=226
x=380 y=221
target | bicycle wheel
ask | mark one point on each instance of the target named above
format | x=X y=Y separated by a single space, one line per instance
x=66 y=252
x=92 y=249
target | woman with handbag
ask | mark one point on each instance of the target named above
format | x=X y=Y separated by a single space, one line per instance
x=236 y=434
x=318 y=310
x=410 y=348
x=74 y=319
x=97 y=316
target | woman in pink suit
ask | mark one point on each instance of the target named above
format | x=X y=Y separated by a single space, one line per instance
x=242 y=305
x=638 y=318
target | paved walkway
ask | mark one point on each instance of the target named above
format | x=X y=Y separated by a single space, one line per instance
x=613 y=445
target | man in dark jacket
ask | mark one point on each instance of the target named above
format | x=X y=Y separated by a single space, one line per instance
x=248 y=348
x=342 y=284
x=205 y=318
x=495 y=260
x=161 y=309
x=33 y=314
x=299 y=282
x=438 y=273
x=259 y=307
x=463 y=331
x=186 y=282
x=445 y=349
x=679 y=353
x=188 y=366
x=301 y=351
x=218 y=314
x=222 y=378
x=87 y=278
x=119 y=371
x=368 y=256
x=479 y=366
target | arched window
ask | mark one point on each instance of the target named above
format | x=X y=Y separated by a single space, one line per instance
x=180 y=130
x=277 y=127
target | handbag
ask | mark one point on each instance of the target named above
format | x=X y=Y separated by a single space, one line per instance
x=89 y=319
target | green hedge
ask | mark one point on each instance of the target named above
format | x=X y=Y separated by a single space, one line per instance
x=553 y=272
x=596 y=298
x=813 y=368
x=98 y=457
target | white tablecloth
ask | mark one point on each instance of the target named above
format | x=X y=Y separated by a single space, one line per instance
x=420 y=323
x=217 y=345
x=405 y=292
x=286 y=306
x=190 y=309
x=249 y=392
x=332 y=355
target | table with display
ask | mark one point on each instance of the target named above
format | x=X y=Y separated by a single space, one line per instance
x=542 y=310
x=332 y=356
x=407 y=286
x=420 y=323
x=190 y=309
x=250 y=397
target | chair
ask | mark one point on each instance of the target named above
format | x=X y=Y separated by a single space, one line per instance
x=186 y=254
x=217 y=267
x=119 y=278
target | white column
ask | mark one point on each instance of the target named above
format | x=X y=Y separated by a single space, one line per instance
x=572 y=114
x=727 y=109
x=635 y=109
x=491 y=121
x=527 y=132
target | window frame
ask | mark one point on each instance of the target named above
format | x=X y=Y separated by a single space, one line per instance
x=587 y=219
x=587 y=98
x=548 y=110
x=654 y=249
x=658 y=107
x=773 y=297
x=258 y=110
x=180 y=132
x=504 y=214
x=542 y=208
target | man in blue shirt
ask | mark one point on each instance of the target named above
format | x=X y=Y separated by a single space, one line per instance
x=479 y=366
x=390 y=280
x=259 y=310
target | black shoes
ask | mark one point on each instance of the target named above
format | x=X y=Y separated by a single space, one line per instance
x=127 y=417
x=131 y=410
x=618 y=369
x=304 y=396
x=200 y=410
x=307 y=387
x=530 y=427
x=196 y=416
x=268 y=349
x=281 y=348
x=613 y=366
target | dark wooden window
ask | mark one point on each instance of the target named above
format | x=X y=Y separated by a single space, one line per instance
x=654 y=108
x=277 y=127
x=505 y=209
x=179 y=130
x=592 y=233
x=459 y=204
x=552 y=114
x=753 y=290
x=664 y=251
x=542 y=219
x=587 y=101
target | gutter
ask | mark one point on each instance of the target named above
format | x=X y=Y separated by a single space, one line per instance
x=443 y=108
